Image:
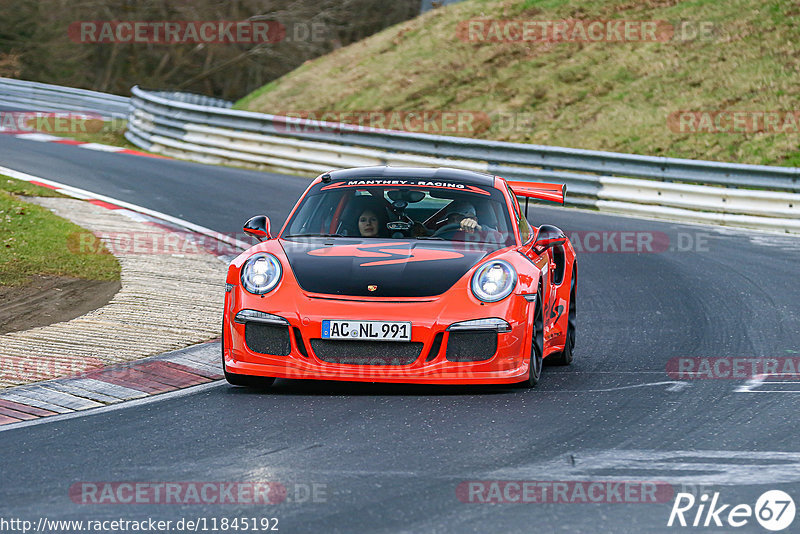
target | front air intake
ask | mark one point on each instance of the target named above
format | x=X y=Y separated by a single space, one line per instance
x=267 y=338
x=366 y=352
x=471 y=346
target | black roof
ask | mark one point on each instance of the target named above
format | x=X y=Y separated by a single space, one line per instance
x=426 y=173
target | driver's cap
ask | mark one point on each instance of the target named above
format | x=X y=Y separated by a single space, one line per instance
x=461 y=207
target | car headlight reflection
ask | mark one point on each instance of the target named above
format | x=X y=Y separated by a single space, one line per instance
x=493 y=281
x=261 y=273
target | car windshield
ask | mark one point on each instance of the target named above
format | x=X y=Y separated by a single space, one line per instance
x=410 y=209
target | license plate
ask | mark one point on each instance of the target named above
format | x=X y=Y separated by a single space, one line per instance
x=370 y=330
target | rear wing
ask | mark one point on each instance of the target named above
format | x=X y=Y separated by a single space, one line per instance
x=539 y=190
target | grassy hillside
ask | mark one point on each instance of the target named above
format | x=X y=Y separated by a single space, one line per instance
x=598 y=95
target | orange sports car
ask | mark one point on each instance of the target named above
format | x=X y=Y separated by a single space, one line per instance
x=415 y=275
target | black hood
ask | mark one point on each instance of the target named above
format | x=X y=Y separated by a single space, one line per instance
x=380 y=267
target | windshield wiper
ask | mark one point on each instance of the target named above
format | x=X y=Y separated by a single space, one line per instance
x=314 y=235
x=431 y=237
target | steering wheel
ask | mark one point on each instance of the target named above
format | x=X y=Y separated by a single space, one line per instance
x=447 y=228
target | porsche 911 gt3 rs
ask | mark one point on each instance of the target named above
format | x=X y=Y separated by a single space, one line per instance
x=413 y=275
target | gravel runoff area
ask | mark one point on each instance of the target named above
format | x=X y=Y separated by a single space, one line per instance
x=166 y=302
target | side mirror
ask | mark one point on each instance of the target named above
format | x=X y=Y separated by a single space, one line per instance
x=258 y=227
x=549 y=236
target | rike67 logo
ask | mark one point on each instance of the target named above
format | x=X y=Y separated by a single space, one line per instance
x=774 y=510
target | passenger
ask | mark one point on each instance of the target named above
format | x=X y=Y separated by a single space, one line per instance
x=371 y=224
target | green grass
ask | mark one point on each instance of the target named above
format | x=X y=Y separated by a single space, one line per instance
x=602 y=96
x=34 y=241
x=26 y=189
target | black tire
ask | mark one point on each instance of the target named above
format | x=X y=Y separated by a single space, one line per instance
x=565 y=357
x=537 y=345
x=255 y=382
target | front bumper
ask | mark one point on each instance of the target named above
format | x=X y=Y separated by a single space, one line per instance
x=301 y=351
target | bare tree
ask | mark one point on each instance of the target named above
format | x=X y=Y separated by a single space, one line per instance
x=36 y=34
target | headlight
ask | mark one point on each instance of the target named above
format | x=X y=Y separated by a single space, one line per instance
x=261 y=273
x=493 y=281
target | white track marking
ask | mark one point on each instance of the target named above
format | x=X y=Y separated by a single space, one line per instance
x=101 y=148
x=74 y=194
x=759 y=380
x=720 y=467
x=748 y=386
x=38 y=137
x=673 y=386
x=77 y=192
x=133 y=215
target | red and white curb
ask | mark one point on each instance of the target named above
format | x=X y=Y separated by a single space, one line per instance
x=135 y=212
x=138 y=379
x=118 y=383
x=47 y=138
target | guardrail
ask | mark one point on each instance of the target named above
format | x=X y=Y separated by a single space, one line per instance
x=755 y=196
x=207 y=130
x=35 y=96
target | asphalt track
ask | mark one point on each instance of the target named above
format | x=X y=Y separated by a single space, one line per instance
x=388 y=458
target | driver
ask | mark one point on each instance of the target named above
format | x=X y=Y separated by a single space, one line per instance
x=462 y=217
x=463 y=213
x=459 y=213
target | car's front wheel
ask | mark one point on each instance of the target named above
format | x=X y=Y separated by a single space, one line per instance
x=565 y=356
x=537 y=345
x=255 y=382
